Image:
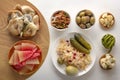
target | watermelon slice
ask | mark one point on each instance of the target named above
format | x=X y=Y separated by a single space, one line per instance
x=14 y=59
x=30 y=66
x=18 y=66
x=27 y=46
x=32 y=61
x=11 y=60
x=24 y=55
x=35 y=55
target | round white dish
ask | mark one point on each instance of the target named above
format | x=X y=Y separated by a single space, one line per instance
x=61 y=68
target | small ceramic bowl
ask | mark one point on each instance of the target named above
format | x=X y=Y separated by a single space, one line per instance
x=60 y=20
x=85 y=19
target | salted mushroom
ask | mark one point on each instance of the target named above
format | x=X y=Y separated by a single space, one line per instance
x=14 y=14
x=27 y=18
x=36 y=20
x=30 y=30
x=15 y=26
x=23 y=21
x=25 y=9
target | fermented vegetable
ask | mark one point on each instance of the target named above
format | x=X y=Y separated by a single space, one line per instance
x=108 y=41
x=82 y=41
x=78 y=46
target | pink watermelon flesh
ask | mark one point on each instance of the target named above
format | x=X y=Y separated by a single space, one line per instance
x=24 y=55
x=18 y=67
x=34 y=50
x=32 y=61
x=27 y=46
x=35 y=55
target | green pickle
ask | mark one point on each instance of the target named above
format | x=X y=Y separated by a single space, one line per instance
x=82 y=41
x=78 y=46
x=108 y=41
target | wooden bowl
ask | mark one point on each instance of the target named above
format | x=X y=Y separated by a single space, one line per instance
x=103 y=56
x=36 y=67
x=104 y=27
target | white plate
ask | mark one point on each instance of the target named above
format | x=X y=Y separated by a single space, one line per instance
x=61 y=68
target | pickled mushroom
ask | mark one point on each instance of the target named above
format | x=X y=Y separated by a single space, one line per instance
x=23 y=21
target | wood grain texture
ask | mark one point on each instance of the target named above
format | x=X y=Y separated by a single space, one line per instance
x=7 y=40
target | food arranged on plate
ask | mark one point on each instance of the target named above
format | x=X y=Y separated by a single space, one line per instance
x=108 y=41
x=74 y=53
x=107 y=61
x=107 y=20
x=85 y=19
x=25 y=57
x=60 y=20
x=23 y=21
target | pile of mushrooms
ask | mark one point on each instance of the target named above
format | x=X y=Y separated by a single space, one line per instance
x=23 y=21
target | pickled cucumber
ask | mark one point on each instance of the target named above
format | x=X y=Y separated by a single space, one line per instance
x=78 y=46
x=108 y=41
x=82 y=41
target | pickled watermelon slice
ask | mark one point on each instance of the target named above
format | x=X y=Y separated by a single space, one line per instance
x=33 y=61
x=25 y=46
x=14 y=60
x=25 y=56
x=30 y=66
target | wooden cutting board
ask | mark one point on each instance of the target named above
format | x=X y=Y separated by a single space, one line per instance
x=6 y=40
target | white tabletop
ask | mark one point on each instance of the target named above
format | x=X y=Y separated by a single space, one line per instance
x=47 y=7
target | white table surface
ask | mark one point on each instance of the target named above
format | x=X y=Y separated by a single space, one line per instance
x=47 y=7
